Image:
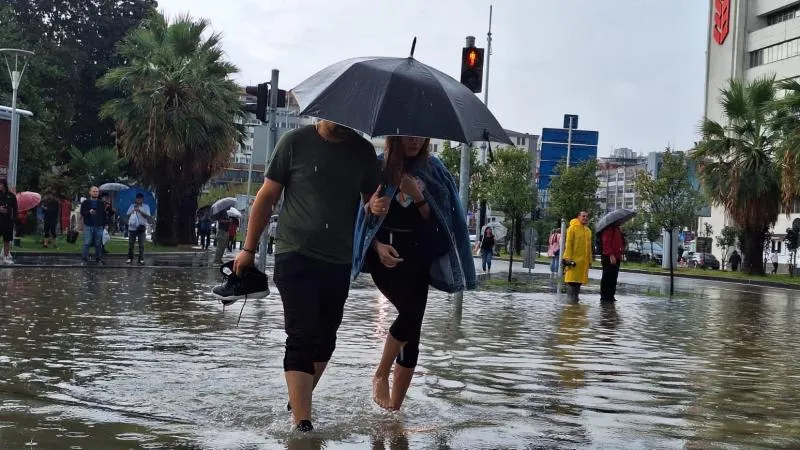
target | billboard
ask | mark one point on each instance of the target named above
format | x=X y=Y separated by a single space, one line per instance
x=557 y=142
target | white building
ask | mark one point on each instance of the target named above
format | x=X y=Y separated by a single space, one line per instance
x=617 y=177
x=748 y=39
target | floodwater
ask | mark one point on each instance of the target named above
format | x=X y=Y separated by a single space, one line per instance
x=146 y=358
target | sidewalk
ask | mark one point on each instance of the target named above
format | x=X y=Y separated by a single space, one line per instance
x=501 y=266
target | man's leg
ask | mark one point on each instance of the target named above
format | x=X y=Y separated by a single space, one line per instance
x=222 y=242
x=300 y=295
x=605 y=280
x=142 y=236
x=131 y=241
x=88 y=237
x=612 y=282
x=98 y=243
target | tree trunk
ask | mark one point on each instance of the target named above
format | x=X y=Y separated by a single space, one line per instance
x=671 y=266
x=511 y=252
x=517 y=235
x=165 y=213
x=187 y=209
x=753 y=250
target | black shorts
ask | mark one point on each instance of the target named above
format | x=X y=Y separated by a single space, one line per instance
x=7 y=231
x=313 y=293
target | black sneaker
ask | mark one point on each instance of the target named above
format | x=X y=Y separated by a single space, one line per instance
x=252 y=284
x=304 y=426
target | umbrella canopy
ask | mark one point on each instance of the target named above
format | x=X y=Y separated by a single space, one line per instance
x=620 y=215
x=28 y=200
x=397 y=97
x=112 y=187
x=222 y=204
x=127 y=197
x=233 y=212
x=498 y=230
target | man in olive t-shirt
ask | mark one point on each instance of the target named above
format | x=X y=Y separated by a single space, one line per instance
x=322 y=171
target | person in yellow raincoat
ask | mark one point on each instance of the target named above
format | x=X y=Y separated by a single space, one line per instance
x=577 y=255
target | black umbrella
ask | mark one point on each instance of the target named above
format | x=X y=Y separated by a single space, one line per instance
x=397 y=97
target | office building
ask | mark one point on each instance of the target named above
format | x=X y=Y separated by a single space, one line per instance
x=748 y=39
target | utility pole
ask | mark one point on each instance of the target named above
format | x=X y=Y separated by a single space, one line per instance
x=16 y=77
x=563 y=237
x=272 y=137
x=481 y=219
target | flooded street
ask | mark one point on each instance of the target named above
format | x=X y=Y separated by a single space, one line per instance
x=146 y=358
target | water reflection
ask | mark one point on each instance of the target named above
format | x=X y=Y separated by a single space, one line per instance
x=120 y=358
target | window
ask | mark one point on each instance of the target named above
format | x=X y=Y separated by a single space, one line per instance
x=783 y=15
x=777 y=52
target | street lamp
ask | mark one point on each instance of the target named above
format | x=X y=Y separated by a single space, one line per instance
x=14 y=71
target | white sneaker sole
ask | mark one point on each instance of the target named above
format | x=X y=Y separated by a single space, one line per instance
x=233 y=298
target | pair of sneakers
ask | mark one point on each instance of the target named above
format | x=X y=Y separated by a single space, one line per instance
x=7 y=260
x=253 y=283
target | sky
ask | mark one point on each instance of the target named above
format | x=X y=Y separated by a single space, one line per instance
x=632 y=69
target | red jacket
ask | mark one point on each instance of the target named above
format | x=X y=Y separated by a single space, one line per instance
x=613 y=243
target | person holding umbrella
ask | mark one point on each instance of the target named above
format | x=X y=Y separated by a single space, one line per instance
x=425 y=223
x=8 y=213
x=323 y=171
x=613 y=248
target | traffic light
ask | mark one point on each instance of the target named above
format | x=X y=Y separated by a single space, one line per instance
x=261 y=93
x=472 y=68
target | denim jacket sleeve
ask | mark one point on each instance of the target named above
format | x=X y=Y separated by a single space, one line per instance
x=452 y=272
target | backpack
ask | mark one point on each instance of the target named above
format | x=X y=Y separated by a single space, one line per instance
x=598 y=243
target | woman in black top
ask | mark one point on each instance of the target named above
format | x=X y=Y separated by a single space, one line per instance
x=399 y=262
x=486 y=245
x=51 y=208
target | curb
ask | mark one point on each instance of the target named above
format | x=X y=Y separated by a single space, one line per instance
x=718 y=279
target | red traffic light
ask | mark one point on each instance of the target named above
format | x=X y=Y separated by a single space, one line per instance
x=472 y=57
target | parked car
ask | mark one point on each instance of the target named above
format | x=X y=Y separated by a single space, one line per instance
x=703 y=260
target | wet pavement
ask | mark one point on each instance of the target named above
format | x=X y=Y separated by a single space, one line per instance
x=146 y=358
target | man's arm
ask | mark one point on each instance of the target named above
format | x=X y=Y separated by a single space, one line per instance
x=265 y=201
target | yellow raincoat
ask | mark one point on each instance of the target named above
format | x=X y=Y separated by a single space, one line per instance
x=578 y=248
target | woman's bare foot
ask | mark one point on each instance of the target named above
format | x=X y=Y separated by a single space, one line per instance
x=380 y=392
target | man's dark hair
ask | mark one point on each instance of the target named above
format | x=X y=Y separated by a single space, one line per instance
x=139 y=195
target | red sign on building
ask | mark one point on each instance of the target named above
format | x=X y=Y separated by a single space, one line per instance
x=5 y=138
x=722 y=20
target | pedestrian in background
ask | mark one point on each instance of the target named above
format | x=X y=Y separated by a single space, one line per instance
x=735 y=260
x=50 y=207
x=8 y=214
x=554 y=251
x=577 y=255
x=204 y=230
x=221 y=243
x=94 y=220
x=613 y=248
x=232 y=229
x=486 y=245
x=773 y=258
x=271 y=231
x=138 y=218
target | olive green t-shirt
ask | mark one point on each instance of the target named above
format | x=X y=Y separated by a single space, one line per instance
x=323 y=182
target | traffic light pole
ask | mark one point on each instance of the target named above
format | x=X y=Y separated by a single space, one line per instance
x=563 y=237
x=481 y=216
x=272 y=137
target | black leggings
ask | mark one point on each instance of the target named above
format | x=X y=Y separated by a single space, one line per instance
x=406 y=287
x=313 y=293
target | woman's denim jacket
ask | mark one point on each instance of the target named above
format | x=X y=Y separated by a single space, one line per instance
x=452 y=272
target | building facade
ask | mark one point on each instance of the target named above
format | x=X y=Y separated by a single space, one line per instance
x=748 y=39
x=617 y=177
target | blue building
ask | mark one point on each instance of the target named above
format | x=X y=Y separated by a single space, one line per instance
x=557 y=143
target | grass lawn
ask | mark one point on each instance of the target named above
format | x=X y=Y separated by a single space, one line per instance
x=116 y=245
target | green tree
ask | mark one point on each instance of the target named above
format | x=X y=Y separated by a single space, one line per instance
x=739 y=163
x=451 y=157
x=670 y=200
x=508 y=187
x=634 y=231
x=708 y=229
x=788 y=123
x=725 y=241
x=175 y=107
x=75 y=42
x=574 y=190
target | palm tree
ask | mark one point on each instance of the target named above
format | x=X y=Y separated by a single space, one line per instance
x=175 y=110
x=739 y=162
x=788 y=120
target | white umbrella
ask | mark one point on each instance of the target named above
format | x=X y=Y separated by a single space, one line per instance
x=498 y=230
x=113 y=187
x=233 y=212
x=222 y=205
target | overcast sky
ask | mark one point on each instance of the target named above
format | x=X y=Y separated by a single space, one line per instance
x=632 y=69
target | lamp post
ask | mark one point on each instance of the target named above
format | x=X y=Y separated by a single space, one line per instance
x=14 y=71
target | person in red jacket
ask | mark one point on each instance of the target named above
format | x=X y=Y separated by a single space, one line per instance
x=613 y=248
